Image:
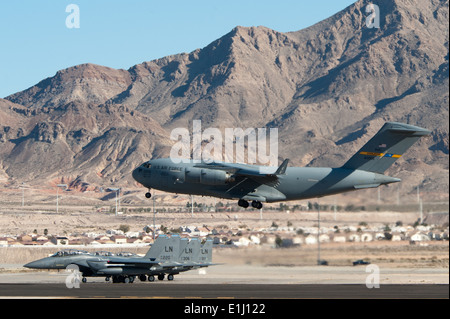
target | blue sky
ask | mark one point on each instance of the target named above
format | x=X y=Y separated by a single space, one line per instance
x=36 y=43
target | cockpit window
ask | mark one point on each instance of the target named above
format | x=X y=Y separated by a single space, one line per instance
x=69 y=252
x=103 y=253
x=147 y=165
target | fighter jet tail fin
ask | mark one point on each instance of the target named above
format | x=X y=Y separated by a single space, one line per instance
x=205 y=255
x=164 y=248
x=388 y=145
x=190 y=251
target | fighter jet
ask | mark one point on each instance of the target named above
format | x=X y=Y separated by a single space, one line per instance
x=254 y=183
x=162 y=258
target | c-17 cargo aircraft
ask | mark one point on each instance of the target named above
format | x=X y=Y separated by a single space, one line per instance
x=252 y=183
x=168 y=255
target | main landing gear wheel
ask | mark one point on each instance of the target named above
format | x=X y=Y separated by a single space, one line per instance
x=257 y=204
x=243 y=203
x=170 y=277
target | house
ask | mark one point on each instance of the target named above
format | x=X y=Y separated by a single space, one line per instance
x=354 y=238
x=339 y=239
x=255 y=240
x=3 y=241
x=420 y=237
x=25 y=238
x=47 y=243
x=324 y=238
x=311 y=240
x=41 y=238
x=397 y=237
x=119 y=239
x=297 y=240
x=60 y=240
x=380 y=236
x=365 y=237
x=102 y=238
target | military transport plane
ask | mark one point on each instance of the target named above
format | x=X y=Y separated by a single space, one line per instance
x=252 y=183
x=168 y=255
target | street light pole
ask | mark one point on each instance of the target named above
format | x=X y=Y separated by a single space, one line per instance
x=318 y=233
x=117 y=190
x=23 y=186
x=154 y=217
x=57 y=195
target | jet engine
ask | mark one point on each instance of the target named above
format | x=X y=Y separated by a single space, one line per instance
x=208 y=176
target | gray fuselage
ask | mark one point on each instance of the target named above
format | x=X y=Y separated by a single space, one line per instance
x=296 y=184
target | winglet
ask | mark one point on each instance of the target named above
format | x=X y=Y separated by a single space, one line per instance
x=282 y=169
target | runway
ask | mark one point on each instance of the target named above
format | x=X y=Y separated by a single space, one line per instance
x=240 y=282
x=170 y=290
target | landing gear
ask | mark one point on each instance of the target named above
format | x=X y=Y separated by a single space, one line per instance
x=148 y=195
x=151 y=278
x=123 y=279
x=243 y=203
x=170 y=277
x=257 y=204
x=142 y=277
x=161 y=277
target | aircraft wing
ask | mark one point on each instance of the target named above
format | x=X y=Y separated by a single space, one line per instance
x=260 y=175
x=254 y=183
x=132 y=261
x=246 y=170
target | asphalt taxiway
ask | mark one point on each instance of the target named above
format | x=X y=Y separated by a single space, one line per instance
x=242 y=281
x=170 y=290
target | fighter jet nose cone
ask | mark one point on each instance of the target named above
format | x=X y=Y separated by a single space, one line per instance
x=33 y=264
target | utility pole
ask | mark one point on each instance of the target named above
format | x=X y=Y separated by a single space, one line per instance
x=318 y=233
x=57 y=195
x=154 y=217
x=418 y=194
x=117 y=190
x=335 y=210
x=23 y=186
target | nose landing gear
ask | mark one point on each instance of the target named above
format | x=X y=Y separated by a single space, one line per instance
x=148 y=194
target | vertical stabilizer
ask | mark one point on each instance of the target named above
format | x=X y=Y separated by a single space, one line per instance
x=388 y=145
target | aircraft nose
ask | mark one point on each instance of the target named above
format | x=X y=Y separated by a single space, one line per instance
x=37 y=264
x=136 y=174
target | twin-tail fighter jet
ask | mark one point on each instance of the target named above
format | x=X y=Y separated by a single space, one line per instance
x=252 y=183
x=167 y=256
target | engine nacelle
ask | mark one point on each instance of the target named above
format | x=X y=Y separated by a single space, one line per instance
x=207 y=176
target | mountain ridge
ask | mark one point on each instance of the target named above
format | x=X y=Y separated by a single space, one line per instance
x=327 y=89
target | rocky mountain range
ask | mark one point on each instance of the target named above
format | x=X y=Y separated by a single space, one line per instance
x=327 y=88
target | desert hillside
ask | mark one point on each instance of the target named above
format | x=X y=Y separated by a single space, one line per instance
x=327 y=88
